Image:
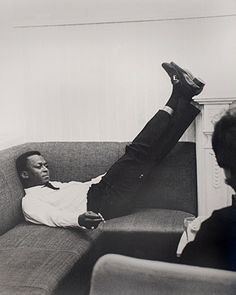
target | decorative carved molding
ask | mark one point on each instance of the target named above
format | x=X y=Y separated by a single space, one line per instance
x=212 y=113
x=212 y=191
x=207 y=140
x=215 y=118
x=215 y=171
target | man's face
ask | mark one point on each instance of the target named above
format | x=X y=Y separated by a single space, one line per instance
x=37 y=172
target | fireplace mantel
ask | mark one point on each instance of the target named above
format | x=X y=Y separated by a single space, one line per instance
x=213 y=193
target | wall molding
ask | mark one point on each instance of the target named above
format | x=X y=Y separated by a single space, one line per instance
x=126 y=21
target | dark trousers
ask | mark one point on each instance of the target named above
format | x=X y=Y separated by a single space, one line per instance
x=115 y=194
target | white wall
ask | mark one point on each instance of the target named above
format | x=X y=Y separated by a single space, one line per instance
x=104 y=81
x=11 y=92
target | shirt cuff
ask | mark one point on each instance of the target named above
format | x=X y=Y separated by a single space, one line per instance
x=168 y=109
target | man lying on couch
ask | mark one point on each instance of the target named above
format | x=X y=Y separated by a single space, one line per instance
x=112 y=195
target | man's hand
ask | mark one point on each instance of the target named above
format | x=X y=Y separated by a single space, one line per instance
x=90 y=219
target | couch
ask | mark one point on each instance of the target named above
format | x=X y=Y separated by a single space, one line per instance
x=127 y=275
x=36 y=259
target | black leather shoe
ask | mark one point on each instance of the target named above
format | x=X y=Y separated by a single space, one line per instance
x=190 y=85
x=193 y=86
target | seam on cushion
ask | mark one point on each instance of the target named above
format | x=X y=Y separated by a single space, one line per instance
x=25 y=286
x=40 y=249
x=50 y=250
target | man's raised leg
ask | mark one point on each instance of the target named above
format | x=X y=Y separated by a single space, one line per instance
x=114 y=195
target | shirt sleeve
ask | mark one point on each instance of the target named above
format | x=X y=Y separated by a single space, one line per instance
x=95 y=180
x=38 y=212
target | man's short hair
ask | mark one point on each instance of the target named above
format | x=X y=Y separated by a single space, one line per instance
x=21 y=161
x=224 y=141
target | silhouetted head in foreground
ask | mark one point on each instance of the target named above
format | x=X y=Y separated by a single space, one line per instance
x=224 y=145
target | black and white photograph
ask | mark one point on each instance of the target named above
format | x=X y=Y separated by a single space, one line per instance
x=117 y=147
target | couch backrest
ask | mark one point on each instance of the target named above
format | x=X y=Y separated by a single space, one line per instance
x=11 y=190
x=172 y=185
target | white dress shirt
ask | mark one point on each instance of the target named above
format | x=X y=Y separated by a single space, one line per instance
x=43 y=205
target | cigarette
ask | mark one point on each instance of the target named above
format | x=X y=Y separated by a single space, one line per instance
x=103 y=220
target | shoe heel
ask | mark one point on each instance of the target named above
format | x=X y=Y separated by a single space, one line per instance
x=199 y=82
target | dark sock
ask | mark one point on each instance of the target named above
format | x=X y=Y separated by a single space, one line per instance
x=186 y=96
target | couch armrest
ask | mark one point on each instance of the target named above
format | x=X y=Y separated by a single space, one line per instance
x=117 y=275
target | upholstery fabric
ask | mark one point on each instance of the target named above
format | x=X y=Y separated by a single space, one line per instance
x=24 y=235
x=20 y=290
x=162 y=220
x=120 y=275
x=11 y=193
x=38 y=269
x=145 y=233
x=38 y=257
x=78 y=161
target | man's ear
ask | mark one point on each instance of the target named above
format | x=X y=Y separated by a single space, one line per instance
x=24 y=175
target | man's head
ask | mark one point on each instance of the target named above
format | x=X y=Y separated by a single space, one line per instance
x=32 y=169
x=224 y=145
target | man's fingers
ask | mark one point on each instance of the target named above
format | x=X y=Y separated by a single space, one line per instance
x=92 y=215
x=91 y=220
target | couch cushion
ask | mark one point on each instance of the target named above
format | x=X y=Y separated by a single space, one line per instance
x=39 y=257
x=34 y=268
x=145 y=233
x=24 y=235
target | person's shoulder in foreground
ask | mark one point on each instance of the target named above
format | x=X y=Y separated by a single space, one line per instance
x=215 y=243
